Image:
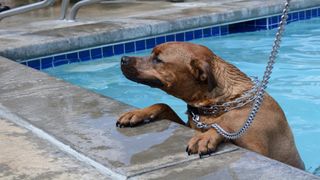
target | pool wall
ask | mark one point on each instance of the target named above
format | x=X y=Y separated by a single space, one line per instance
x=81 y=124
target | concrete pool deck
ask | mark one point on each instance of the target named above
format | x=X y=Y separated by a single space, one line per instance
x=51 y=129
x=39 y=33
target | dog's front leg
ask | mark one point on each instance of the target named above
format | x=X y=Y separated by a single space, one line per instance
x=204 y=142
x=151 y=113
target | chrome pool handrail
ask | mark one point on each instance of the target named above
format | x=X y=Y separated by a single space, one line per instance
x=64 y=9
x=75 y=8
x=45 y=3
x=26 y=8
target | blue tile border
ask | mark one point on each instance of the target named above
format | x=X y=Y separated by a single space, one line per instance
x=140 y=45
x=160 y=40
x=129 y=47
x=198 y=33
x=189 y=35
x=96 y=53
x=118 y=49
x=150 y=43
x=34 y=64
x=84 y=55
x=266 y=23
x=170 y=38
x=46 y=62
x=107 y=51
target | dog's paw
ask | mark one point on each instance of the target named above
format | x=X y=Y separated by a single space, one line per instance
x=202 y=144
x=133 y=118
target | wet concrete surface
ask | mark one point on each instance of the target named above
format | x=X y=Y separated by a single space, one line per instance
x=240 y=165
x=25 y=156
x=86 y=122
x=39 y=33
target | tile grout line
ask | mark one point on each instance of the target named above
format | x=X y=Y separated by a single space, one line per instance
x=7 y=114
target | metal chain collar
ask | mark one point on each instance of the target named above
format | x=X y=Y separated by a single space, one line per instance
x=247 y=97
x=215 y=110
x=260 y=91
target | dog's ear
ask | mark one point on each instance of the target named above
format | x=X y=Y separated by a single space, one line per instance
x=202 y=71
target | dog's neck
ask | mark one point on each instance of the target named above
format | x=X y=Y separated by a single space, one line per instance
x=231 y=83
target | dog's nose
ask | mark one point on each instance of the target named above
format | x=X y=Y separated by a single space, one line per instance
x=125 y=60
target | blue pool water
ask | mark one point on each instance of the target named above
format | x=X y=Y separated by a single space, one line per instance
x=295 y=83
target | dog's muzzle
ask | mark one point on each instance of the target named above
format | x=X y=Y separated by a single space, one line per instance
x=129 y=71
x=127 y=67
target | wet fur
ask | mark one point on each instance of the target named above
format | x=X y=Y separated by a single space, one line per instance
x=199 y=77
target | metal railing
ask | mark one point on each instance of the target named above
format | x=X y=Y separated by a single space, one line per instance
x=26 y=8
x=64 y=8
x=75 y=8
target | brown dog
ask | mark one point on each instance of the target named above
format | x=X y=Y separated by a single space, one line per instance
x=194 y=74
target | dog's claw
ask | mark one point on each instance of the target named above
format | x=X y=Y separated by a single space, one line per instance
x=188 y=151
x=202 y=154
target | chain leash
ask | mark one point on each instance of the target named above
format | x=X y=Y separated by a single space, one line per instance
x=244 y=99
x=261 y=89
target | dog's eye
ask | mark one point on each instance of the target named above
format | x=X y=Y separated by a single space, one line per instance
x=156 y=60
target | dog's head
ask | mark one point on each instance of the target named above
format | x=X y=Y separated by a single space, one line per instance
x=180 y=69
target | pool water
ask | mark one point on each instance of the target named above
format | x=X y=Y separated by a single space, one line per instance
x=295 y=81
